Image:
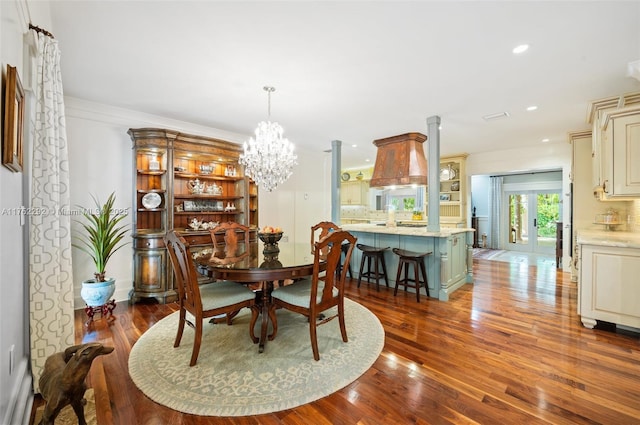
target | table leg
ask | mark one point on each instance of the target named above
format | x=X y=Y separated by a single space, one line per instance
x=266 y=291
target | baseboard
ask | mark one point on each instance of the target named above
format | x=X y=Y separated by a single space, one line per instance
x=19 y=408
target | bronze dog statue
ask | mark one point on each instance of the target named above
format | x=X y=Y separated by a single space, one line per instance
x=63 y=380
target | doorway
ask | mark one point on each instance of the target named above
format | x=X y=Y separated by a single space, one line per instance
x=531 y=220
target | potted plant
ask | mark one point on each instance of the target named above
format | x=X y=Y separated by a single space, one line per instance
x=102 y=237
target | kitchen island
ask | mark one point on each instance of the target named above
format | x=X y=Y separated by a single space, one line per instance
x=448 y=267
x=609 y=277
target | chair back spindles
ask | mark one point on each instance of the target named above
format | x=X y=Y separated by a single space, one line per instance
x=234 y=243
x=184 y=270
x=324 y=227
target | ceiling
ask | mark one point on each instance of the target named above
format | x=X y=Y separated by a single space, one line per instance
x=355 y=71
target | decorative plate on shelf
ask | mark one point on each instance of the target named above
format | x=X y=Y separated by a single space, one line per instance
x=151 y=200
x=346 y=177
x=447 y=173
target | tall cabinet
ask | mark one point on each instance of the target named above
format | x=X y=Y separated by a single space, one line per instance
x=182 y=182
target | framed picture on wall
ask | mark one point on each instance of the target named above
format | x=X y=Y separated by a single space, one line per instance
x=13 y=121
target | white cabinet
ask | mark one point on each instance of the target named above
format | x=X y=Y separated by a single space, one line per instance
x=609 y=286
x=611 y=143
x=596 y=110
x=621 y=138
x=354 y=192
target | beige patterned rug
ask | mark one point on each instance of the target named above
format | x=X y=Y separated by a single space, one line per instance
x=232 y=379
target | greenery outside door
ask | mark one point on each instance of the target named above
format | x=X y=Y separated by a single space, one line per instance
x=532 y=220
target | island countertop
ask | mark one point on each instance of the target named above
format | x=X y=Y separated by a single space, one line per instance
x=407 y=231
x=609 y=238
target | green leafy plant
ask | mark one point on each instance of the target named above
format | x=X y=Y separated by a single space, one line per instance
x=103 y=234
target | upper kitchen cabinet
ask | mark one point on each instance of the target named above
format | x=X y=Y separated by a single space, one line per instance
x=609 y=146
x=354 y=192
x=621 y=137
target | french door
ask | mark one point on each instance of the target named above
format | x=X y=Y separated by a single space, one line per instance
x=532 y=219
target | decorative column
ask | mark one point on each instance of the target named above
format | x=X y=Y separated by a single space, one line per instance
x=336 y=164
x=433 y=158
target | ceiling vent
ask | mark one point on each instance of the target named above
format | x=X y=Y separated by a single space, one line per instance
x=492 y=117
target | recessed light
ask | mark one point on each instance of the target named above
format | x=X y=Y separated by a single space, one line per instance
x=532 y=108
x=545 y=140
x=367 y=160
x=520 y=49
x=354 y=146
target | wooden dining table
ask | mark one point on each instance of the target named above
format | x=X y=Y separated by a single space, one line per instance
x=265 y=270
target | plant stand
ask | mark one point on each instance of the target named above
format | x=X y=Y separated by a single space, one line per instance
x=106 y=311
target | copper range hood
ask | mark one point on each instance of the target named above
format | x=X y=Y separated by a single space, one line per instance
x=400 y=161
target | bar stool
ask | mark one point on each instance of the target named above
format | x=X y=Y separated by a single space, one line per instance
x=370 y=253
x=417 y=259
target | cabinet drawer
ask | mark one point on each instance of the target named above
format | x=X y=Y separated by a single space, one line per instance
x=203 y=239
x=148 y=243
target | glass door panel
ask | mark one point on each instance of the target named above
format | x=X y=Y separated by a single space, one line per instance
x=532 y=221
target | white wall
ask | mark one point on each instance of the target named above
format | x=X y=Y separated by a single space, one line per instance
x=303 y=200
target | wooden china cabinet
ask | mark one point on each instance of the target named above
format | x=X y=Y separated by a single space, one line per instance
x=181 y=180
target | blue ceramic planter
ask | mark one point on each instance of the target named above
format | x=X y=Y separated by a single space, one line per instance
x=96 y=294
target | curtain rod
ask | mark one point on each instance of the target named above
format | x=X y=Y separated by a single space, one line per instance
x=40 y=30
x=525 y=173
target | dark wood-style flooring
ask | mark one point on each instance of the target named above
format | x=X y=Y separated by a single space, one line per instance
x=508 y=349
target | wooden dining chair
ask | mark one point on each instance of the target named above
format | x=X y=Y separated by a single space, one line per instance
x=230 y=241
x=324 y=228
x=213 y=299
x=319 y=292
x=320 y=230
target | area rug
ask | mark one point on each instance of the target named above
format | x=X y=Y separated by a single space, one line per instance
x=68 y=417
x=232 y=379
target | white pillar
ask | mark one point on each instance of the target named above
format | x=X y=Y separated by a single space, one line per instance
x=336 y=164
x=433 y=161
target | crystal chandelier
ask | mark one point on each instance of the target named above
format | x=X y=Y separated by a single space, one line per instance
x=268 y=158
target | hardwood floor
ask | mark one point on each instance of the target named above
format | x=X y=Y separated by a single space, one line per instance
x=508 y=349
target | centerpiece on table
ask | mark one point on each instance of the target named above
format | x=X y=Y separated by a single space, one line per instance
x=270 y=236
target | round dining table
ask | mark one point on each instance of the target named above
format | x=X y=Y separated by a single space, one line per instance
x=293 y=261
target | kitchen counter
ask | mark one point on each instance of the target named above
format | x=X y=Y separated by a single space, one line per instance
x=399 y=230
x=449 y=267
x=609 y=238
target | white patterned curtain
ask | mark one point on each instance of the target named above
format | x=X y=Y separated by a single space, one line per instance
x=50 y=275
x=495 y=212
